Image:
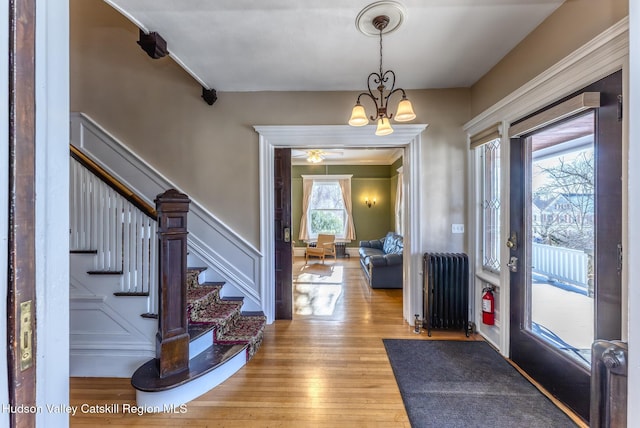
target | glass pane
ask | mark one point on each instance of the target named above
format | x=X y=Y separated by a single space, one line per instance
x=561 y=227
x=327 y=221
x=326 y=209
x=491 y=206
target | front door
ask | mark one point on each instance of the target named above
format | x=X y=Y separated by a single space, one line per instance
x=21 y=288
x=565 y=242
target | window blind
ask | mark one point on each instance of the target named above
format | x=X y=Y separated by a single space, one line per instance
x=484 y=136
x=577 y=104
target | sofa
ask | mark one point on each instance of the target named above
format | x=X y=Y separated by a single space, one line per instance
x=381 y=261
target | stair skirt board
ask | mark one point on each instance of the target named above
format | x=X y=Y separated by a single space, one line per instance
x=105 y=363
x=159 y=401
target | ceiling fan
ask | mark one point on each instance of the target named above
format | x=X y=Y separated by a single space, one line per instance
x=315 y=155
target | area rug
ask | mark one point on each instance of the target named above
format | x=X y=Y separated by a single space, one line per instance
x=466 y=384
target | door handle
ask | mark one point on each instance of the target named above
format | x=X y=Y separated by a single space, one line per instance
x=513 y=264
x=512 y=242
x=287 y=234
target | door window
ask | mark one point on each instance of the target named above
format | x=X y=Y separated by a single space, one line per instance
x=561 y=212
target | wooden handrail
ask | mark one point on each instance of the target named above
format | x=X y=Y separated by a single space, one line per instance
x=113 y=182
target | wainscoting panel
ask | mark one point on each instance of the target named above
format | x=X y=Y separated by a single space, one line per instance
x=226 y=253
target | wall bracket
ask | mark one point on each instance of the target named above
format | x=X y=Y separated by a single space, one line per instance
x=209 y=95
x=153 y=44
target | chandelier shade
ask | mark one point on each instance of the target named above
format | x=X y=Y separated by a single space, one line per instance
x=405 y=113
x=358 y=116
x=380 y=95
x=384 y=127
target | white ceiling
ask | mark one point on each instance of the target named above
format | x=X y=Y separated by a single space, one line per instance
x=311 y=45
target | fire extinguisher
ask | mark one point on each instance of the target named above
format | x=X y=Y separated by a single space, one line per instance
x=488 y=307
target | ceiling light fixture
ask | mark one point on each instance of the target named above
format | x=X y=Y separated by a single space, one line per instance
x=315 y=156
x=378 y=81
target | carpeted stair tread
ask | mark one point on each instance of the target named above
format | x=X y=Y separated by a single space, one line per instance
x=223 y=314
x=208 y=311
x=199 y=292
x=247 y=328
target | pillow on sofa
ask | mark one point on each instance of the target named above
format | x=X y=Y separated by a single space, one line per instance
x=392 y=244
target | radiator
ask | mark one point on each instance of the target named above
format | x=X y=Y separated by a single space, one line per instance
x=446 y=291
x=608 y=384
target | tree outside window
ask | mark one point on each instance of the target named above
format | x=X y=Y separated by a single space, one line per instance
x=327 y=213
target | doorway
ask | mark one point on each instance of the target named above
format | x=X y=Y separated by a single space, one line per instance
x=336 y=136
x=565 y=238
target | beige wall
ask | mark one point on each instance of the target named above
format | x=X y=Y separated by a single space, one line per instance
x=211 y=152
x=572 y=25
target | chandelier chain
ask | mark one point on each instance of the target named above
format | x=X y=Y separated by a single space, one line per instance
x=380 y=52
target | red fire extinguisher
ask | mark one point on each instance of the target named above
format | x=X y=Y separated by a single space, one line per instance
x=488 y=307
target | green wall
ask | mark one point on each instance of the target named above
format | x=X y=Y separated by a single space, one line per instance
x=373 y=181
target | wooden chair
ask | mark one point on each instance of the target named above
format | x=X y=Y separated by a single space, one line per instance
x=325 y=246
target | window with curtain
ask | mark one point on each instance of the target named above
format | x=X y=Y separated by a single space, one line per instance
x=490 y=199
x=326 y=208
x=327 y=213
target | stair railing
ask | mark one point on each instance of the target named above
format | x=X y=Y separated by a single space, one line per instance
x=120 y=227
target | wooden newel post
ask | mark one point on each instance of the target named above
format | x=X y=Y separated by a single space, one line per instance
x=172 y=339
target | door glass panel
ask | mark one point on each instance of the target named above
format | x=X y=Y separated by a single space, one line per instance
x=560 y=253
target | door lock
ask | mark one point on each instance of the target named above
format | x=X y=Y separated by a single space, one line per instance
x=513 y=264
x=512 y=242
x=287 y=234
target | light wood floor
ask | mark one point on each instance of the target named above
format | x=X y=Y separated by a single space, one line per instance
x=325 y=368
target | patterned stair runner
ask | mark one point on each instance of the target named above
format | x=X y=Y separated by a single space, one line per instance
x=230 y=326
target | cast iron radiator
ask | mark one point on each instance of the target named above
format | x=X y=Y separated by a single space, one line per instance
x=446 y=291
x=608 y=384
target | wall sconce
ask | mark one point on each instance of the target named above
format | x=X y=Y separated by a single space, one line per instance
x=369 y=203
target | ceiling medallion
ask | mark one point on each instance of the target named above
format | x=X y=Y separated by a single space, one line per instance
x=383 y=17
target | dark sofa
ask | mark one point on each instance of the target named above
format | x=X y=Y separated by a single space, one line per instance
x=381 y=260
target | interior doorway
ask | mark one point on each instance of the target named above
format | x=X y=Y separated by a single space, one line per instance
x=341 y=195
x=338 y=136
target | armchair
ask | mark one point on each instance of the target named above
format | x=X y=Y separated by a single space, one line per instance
x=325 y=246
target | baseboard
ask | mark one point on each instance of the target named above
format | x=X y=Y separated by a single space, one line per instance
x=94 y=363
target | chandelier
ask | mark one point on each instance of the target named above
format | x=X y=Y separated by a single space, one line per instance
x=379 y=93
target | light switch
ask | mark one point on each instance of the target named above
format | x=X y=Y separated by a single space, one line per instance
x=457 y=228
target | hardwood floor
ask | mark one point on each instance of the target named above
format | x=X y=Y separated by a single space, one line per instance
x=325 y=368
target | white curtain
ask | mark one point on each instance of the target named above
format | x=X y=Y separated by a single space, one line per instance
x=307 y=186
x=345 y=186
x=399 y=209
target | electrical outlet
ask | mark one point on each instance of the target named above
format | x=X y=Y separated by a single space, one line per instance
x=457 y=228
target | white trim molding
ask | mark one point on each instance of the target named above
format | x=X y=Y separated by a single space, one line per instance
x=329 y=136
x=598 y=58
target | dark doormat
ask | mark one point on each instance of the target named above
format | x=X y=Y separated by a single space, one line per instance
x=466 y=384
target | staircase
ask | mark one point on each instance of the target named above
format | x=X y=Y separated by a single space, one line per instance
x=132 y=294
x=222 y=340
x=208 y=312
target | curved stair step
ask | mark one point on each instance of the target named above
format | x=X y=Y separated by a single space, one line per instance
x=206 y=370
